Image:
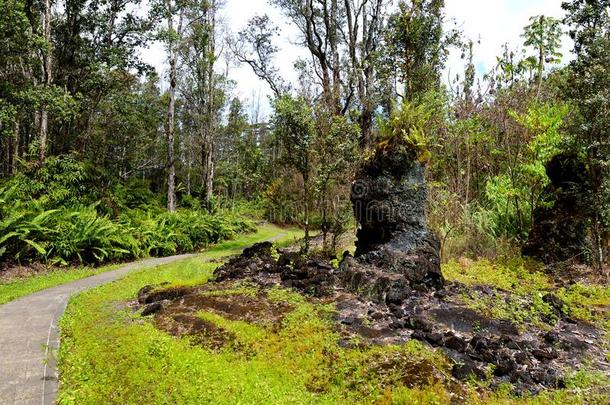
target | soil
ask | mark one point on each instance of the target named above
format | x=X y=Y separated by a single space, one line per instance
x=176 y=310
x=10 y=272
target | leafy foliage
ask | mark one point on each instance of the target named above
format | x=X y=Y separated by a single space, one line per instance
x=588 y=88
x=513 y=196
x=409 y=127
x=48 y=221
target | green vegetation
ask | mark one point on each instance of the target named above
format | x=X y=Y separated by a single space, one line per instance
x=297 y=361
x=103 y=161
x=79 y=93
x=23 y=286
x=528 y=284
x=515 y=275
x=140 y=363
x=49 y=219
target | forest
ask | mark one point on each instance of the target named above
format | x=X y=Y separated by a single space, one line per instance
x=386 y=206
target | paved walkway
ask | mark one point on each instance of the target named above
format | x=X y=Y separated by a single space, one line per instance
x=29 y=336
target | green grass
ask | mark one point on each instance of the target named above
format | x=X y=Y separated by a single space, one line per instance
x=282 y=237
x=25 y=286
x=528 y=284
x=109 y=354
x=516 y=275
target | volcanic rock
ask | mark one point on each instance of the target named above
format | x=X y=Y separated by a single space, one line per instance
x=395 y=251
x=560 y=232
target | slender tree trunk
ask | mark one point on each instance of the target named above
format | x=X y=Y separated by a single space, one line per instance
x=208 y=166
x=540 y=71
x=208 y=121
x=171 y=116
x=189 y=165
x=5 y=154
x=47 y=66
x=307 y=209
x=15 y=145
x=333 y=39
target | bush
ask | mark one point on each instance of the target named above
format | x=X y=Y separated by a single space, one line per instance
x=61 y=182
x=45 y=221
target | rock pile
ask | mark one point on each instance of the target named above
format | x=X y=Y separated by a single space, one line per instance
x=530 y=359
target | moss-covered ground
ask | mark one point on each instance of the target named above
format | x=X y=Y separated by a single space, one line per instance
x=110 y=354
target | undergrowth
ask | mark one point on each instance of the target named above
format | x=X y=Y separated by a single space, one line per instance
x=19 y=287
x=65 y=212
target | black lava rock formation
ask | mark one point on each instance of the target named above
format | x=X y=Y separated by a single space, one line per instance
x=560 y=232
x=531 y=358
x=395 y=251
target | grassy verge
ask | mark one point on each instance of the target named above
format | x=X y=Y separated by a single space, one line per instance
x=25 y=286
x=280 y=236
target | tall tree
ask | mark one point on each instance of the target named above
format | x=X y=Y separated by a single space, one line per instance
x=365 y=22
x=588 y=86
x=15 y=58
x=172 y=12
x=96 y=52
x=203 y=89
x=254 y=46
x=294 y=129
x=342 y=38
x=417 y=47
x=46 y=60
x=544 y=35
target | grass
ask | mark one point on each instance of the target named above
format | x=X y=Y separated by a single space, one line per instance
x=527 y=283
x=281 y=236
x=109 y=354
x=25 y=286
x=516 y=275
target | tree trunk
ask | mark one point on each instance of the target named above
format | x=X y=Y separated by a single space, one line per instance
x=336 y=68
x=208 y=121
x=540 y=71
x=15 y=145
x=171 y=123
x=207 y=161
x=306 y=213
x=47 y=63
x=171 y=158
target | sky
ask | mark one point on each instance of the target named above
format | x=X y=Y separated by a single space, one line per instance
x=489 y=23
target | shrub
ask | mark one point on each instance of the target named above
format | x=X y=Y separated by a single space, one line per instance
x=45 y=220
x=61 y=182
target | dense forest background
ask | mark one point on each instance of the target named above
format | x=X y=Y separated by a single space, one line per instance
x=98 y=163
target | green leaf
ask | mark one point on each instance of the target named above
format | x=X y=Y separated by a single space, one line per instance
x=36 y=246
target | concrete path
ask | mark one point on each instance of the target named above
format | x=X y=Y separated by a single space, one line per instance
x=29 y=337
